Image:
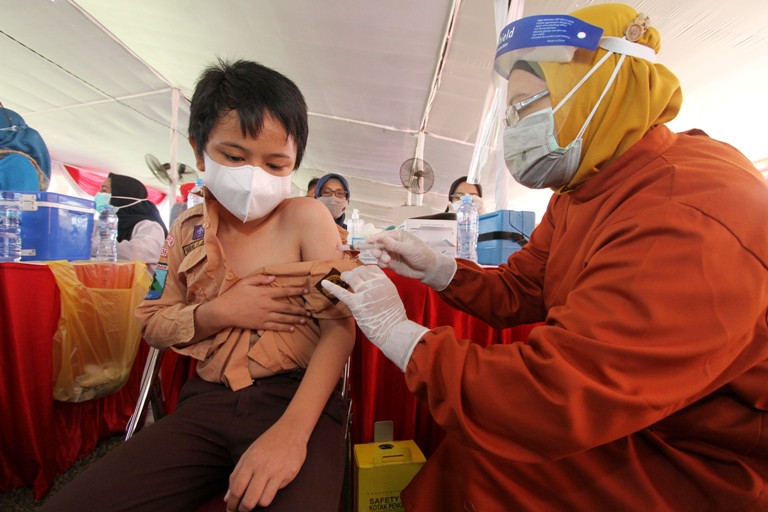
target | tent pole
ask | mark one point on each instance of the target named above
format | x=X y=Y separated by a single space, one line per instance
x=174 y=170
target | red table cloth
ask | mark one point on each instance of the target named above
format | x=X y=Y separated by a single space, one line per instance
x=41 y=438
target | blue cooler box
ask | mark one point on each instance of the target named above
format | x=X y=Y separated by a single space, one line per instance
x=55 y=227
x=501 y=233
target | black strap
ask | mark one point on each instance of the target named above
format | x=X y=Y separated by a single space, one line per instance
x=519 y=238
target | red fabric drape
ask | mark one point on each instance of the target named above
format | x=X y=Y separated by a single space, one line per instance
x=41 y=438
x=90 y=181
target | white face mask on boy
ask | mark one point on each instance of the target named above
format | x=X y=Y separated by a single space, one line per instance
x=248 y=192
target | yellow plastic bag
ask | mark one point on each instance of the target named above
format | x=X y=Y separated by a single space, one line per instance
x=98 y=335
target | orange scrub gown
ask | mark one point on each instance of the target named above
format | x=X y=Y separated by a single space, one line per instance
x=646 y=388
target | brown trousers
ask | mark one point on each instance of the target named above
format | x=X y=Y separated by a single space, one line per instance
x=183 y=460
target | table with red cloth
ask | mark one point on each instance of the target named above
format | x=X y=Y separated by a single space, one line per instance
x=41 y=438
x=378 y=388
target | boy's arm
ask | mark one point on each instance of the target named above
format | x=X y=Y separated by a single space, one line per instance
x=275 y=458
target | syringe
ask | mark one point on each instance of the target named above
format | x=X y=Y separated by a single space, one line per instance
x=359 y=247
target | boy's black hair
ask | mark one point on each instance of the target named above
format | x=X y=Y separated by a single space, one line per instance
x=253 y=90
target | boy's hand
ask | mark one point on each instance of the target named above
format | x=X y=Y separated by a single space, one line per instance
x=250 y=305
x=269 y=464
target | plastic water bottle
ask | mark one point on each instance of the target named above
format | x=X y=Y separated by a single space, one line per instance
x=466 y=229
x=193 y=196
x=355 y=228
x=107 y=229
x=10 y=227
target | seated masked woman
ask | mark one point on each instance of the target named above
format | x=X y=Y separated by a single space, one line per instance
x=140 y=228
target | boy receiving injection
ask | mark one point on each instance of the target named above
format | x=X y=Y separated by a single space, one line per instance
x=261 y=419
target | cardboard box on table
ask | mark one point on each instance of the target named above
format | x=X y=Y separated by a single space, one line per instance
x=501 y=233
x=55 y=227
x=382 y=469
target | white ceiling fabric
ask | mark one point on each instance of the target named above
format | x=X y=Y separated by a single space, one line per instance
x=95 y=78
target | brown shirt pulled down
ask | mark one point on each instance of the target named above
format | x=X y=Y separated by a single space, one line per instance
x=192 y=271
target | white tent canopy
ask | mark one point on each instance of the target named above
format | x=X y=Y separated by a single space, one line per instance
x=106 y=82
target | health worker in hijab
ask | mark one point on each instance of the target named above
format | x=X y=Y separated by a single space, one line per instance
x=25 y=164
x=141 y=231
x=645 y=384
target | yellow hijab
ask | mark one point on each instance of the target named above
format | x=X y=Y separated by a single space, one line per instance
x=642 y=96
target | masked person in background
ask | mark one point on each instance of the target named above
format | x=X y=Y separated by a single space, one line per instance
x=459 y=188
x=646 y=385
x=263 y=419
x=140 y=228
x=333 y=191
x=311 y=187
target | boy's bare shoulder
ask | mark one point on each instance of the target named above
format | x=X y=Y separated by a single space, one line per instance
x=306 y=209
x=311 y=222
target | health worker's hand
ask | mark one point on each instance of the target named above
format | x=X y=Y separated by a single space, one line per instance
x=409 y=256
x=379 y=312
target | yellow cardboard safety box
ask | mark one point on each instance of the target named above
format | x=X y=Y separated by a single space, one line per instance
x=382 y=470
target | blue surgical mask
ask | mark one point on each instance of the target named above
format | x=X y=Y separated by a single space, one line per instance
x=102 y=199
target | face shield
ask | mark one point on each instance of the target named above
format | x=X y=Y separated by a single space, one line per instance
x=523 y=45
x=534 y=150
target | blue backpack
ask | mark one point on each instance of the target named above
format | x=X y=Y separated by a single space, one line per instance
x=20 y=172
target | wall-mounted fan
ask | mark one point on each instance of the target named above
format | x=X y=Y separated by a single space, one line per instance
x=187 y=174
x=417 y=177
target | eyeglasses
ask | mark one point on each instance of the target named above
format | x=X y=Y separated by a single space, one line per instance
x=339 y=192
x=457 y=197
x=512 y=114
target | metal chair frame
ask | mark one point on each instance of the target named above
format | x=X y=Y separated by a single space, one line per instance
x=150 y=392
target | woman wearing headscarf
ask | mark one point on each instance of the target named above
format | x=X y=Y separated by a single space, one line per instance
x=141 y=231
x=333 y=191
x=646 y=385
x=25 y=164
